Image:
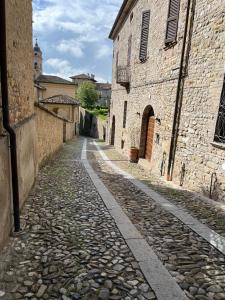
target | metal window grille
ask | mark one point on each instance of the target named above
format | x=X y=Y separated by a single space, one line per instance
x=220 y=125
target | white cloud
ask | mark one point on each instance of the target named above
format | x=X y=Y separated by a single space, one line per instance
x=104 y=51
x=76 y=31
x=73 y=47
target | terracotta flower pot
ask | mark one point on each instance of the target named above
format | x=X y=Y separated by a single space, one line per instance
x=134 y=155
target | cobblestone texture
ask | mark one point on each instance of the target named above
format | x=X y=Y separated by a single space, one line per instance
x=211 y=215
x=197 y=267
x=70 y=247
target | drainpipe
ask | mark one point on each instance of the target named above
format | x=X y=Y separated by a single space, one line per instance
x=177 y=110
x=6 y=117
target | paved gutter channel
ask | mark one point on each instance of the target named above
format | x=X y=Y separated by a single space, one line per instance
x=156 y=274
x=196 y=265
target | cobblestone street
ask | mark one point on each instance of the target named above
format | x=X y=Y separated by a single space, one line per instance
x=71 y=247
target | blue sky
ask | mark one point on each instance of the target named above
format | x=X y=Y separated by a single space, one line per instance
x=73 y=35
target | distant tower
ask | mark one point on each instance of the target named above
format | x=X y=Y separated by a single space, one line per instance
x=37 y=60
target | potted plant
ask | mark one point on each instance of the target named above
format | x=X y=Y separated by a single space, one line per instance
x=134 y=150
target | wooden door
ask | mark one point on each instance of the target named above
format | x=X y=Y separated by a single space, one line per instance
x=150 y=137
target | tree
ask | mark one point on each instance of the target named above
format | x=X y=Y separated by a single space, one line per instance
x=87 y=94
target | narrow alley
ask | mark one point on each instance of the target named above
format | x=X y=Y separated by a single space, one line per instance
x=89 y=232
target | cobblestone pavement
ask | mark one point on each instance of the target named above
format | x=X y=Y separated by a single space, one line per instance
x=213 y=216
x=70 y=247
x=198 y=267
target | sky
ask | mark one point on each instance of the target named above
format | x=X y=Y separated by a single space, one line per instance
x=73 y=36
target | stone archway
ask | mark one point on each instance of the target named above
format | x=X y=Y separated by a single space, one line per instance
x=113 y=131
x=147 y=133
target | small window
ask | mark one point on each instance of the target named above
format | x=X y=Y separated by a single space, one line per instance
x=131 y=16
x=122 y=144
x=172 y=21
x=125 y=114
x=144 y=36
x=220 y=125
x=129 y=50
x=118 y=37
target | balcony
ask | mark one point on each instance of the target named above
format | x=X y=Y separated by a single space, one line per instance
x=123 y=76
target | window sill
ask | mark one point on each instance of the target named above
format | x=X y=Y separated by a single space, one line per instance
x=218 y=145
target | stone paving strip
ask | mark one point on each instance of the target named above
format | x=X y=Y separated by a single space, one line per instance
x=71 y=247
x=206 y=210
x=197 y=266
x=157 y=275
x=204 y=231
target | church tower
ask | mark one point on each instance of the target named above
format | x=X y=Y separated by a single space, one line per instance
x=37 y=61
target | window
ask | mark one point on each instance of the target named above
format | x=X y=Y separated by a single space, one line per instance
x=172 y=21
x=125 y=114
x=122 y=144
x=220 y=125
x=144 y=36
x=129 y=50
x=131 y=16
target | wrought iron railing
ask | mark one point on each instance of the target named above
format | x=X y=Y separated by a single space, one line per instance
x=123 y=75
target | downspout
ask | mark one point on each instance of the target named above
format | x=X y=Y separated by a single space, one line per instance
x=177 y=110
x=6 y=117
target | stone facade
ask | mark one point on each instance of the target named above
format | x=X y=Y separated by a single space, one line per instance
x=153 y=86
x=49 y=134
x=21 y=105
x=39 y=132
x=49 y=89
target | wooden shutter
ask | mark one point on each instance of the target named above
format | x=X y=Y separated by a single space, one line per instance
x=172 y=21
x=144 y=35
x=129 y=50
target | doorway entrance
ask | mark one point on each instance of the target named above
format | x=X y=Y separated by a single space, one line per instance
x=147 y=133
x=113 y=131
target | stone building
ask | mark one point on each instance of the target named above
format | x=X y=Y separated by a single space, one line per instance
x=80 y=78
x=30 y=133
x=49 y=85
x=168 y=89
x=104 y=90
x=65 y=107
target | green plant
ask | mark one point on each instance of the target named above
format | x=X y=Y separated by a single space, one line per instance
x=87 y=94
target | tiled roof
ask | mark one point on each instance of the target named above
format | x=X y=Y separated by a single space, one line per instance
x=83 y=76
x=53 y=79
x=60 y=99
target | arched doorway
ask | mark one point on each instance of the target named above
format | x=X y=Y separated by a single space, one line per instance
x=147 y=133
x=113 y=131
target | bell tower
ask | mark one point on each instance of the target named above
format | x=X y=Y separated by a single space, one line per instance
x=37 y=61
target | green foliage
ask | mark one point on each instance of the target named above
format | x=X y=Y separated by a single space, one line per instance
x=87 y=94
x=100 y=113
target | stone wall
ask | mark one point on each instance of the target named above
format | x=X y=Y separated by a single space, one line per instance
x=20 y=59
x=53 y=89
x=202 y=91
x=154 y=84
x=49 y=130
x=92 y=126
x=21 y=104
x=5 y=192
